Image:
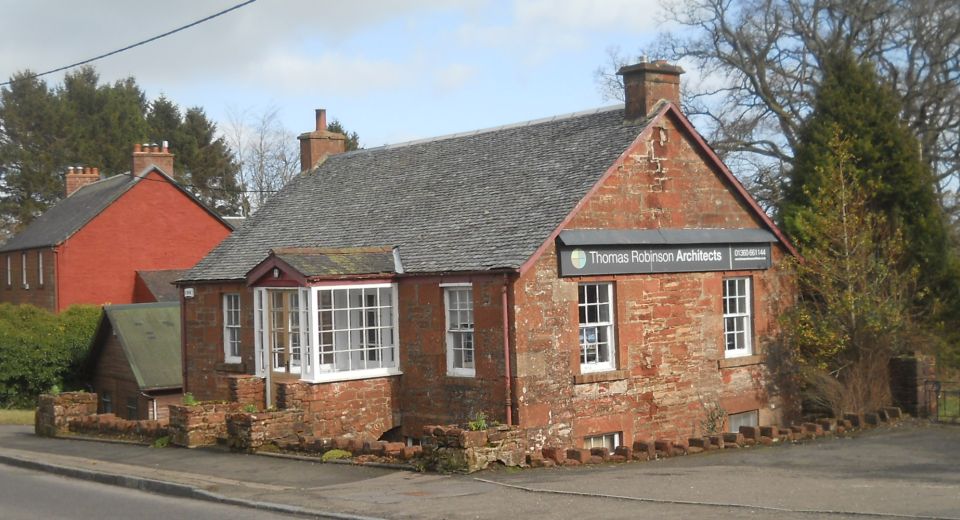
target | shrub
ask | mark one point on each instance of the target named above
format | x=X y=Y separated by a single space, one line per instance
x=190 y=400
x=336 y=454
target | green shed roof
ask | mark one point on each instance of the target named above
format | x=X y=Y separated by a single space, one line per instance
x=150 y=336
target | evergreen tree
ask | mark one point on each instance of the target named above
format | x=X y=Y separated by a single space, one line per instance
x=897 y=183
x=353 y=139
x=86 y=122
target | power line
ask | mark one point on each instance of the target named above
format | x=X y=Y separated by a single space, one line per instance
x=128 y=47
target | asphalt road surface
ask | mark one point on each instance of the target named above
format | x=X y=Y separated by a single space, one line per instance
x=29 y=495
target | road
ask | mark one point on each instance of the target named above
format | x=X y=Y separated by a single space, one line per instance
x=29 y=495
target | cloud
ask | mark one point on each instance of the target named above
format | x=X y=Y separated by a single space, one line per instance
x=454 y=76
x=329 y=73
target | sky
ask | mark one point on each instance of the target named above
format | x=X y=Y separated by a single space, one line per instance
x=392 y=71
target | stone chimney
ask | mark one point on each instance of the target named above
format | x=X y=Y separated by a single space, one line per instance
x=80 y=176
x=321 y=142
x=646 y=83
x=151 y=154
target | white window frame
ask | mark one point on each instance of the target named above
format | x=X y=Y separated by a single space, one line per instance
x=106 y=402
x=610 y=441
x=232 y=319
x=737 y=317
x=317 y=368
x=39 y=268
x=461 y=334
x=9 y=270
x=598 y=326
x=23 y=270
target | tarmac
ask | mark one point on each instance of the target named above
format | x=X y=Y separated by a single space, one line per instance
x=904 y=471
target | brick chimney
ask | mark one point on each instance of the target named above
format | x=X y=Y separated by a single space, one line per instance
x=147 y=154
x=646 y=83
x=319 y=143
x=80 y=176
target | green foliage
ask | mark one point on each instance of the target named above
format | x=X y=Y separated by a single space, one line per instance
x=190 y=400
x=353 y=139
x=714 y=417
x=857 y=288
x=479 y=422
x=40 y=350
x=335 y=455
x=161 y=442
x=883 y=159
x=85 y=122
x=250 y=408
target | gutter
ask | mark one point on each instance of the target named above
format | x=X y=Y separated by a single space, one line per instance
x=508 y=401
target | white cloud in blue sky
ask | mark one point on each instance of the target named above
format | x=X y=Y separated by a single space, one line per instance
x=390 y=70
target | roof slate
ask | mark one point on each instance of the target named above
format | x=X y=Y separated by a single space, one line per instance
x=150 y=336
x=160 y=283
x=469 y=202
x=311 y=262
x=70 y=214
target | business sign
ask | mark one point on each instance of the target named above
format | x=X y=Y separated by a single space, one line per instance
x=646 y=259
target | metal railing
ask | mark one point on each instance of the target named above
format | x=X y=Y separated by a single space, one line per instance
x=943 y=400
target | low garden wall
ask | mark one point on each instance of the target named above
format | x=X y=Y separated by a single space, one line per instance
x=452 y=448
x=203 y=424
x=76 y=412
x=252 y=431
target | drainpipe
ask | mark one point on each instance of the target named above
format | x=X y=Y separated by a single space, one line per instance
x=506 y=351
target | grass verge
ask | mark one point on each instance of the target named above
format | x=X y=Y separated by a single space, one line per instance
x=16 y=417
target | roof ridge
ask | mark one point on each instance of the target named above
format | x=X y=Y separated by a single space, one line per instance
x=519 y=124
x=98 y=181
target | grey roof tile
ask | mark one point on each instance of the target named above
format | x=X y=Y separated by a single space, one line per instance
x=70 y=214
x=468 y=202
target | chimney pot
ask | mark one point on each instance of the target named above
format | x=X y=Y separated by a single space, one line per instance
x=69 y=170
x=166 y=146
x=136 y=147
x=645 y=84
x=96 y=171
x=321 y=119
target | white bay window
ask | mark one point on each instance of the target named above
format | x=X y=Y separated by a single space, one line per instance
x=328 y=333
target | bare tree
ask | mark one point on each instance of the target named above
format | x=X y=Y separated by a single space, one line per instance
x=267 y=152
x=759 y=64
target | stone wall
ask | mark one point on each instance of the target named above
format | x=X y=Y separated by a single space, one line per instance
x=247 y=389
x=249 y=432
x=365 y=406
x=453 y=448
x=670 y=365
x=203 y=424
x=109 y=425
x=56 y=412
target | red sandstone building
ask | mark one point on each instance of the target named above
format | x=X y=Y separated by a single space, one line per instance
x=90 y=245
x=594 y=278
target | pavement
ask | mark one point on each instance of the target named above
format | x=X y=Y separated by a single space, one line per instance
x=910 y=470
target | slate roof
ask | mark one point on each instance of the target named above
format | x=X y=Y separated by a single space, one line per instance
x=160 y=283
x=314 y=262
x=468 y=202
x=150 y=336
x=70 y=214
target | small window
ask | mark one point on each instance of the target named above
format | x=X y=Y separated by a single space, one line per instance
x=595 y=306
x=23 y=270
x=132 y=412
x=736 y=420
x=231 y=328
x=106 y=402
x=39 y=268
x=610 y=441
x=458 y=300
x=737 y=320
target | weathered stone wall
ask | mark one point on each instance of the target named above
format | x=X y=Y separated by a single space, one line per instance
x=200 y=425
x=109 y=425
x=247 y=390
x=453 y=448
x=669 y=328
x=207 y=376
x=249 y=432
x=55 y=412
x=345 y=407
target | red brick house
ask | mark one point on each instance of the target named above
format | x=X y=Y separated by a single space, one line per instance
x=87 y=247
x=594 y=278
x=135 y=360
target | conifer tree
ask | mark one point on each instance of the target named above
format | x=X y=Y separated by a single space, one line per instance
x=895 y=180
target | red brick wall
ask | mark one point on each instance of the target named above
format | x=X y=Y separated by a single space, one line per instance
x=113 y=375
x=153 y=226
x=668 y=326
x=206 y=374
x=42 y=295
